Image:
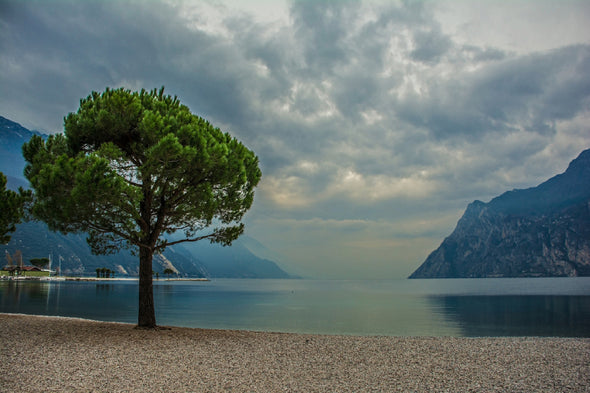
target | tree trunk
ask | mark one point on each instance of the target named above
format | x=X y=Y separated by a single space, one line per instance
x=147 y=316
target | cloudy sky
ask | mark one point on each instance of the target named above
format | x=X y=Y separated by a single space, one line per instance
x=375 y=122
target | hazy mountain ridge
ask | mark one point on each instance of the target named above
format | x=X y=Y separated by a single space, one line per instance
x=200 y=259
x=542 y=231
x=12 y=162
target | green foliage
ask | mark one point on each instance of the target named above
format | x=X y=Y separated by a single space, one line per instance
x=40 y=262
x=133 y=166
x=12 y=209
x=105 y=273
x=168 y=272
x=25 y=273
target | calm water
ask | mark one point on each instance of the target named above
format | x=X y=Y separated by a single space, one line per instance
x=465 y=307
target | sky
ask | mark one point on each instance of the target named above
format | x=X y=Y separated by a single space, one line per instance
x=375 y=122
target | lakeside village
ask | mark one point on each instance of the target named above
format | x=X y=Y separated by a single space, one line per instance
x=15 y=269
x=40 y=270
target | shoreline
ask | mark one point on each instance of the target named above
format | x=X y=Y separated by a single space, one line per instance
x=43 y=353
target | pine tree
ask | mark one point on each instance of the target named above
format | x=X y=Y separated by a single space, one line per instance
x=133 y=167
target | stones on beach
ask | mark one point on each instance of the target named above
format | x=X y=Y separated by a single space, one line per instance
x=74 y=355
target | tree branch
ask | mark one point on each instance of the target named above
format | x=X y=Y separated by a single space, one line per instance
x=196 y=239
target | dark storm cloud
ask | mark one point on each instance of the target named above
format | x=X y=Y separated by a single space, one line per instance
x=323 y=28
x=66 y=49
x=75 y=47
x=535 y=90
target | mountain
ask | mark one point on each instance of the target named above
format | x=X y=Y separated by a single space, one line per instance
x=236 y=261
x=12 y=163
x=200 y=259
x=542 y=231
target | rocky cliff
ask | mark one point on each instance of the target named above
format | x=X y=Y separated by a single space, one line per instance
x=542 y=231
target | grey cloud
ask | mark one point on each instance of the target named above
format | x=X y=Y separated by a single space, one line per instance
x=527 y=92
x=405 y=13
x=459 y=112
x=66 y=49
x=479 y=55
x=430 y=46
x=323 y=28
x=536 y=90
x=568 y=84
x=355 y=93
x=277 y=52
x=350 y=52
x=79 y=47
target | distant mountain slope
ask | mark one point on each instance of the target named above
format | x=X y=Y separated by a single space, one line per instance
x=537 y=232
x=72 y=253
x=231 y=262
x=200 y=259
x=12 y=137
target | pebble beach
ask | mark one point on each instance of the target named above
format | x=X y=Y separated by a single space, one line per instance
x=53 y=354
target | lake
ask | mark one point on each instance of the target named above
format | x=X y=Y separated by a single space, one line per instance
x=447 y=307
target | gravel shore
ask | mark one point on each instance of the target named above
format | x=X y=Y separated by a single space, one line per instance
x=48 y=354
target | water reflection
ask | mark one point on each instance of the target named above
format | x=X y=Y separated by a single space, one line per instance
x=301 y=306
x=165 y=289
x=567 y=316
x=395 y=307
x=101 y=301
x=102 y=288
x=17 y=291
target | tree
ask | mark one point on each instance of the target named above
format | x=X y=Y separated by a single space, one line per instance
x=40 y=262
x=168 y=272
x=12 y=209
x=133 y=168
x=10 y=263
x=16 y=258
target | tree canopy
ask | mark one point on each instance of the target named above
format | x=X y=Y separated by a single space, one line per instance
x=168 y=271
x=12 y=209
x=40 y=262
x=134 y=167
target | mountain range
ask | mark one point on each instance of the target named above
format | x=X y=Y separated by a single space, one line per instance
x=71 y=252
x=543 y=231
